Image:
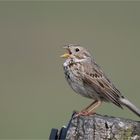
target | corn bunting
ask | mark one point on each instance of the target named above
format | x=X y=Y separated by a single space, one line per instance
x=86 y=78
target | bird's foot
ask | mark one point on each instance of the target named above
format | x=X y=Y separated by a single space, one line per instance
x=84 y=113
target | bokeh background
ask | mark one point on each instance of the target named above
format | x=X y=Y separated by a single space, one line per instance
x=34 y=96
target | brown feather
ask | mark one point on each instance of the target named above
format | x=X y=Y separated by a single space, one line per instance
x=97 y=80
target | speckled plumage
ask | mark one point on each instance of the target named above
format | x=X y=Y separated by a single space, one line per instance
x=86 y=78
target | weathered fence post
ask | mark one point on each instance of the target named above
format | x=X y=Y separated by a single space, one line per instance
x=98 y=127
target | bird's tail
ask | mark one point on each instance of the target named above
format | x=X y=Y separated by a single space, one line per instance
x=130 y=106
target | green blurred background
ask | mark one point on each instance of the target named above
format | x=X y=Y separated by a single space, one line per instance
x=34 y=96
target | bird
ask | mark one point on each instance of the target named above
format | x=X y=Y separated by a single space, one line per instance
x=88 y=79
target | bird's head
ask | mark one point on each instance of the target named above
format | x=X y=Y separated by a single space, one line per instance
x=75 y=52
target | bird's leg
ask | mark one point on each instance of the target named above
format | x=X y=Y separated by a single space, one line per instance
x=86 y=111
x=92 y=108
x=94 y=102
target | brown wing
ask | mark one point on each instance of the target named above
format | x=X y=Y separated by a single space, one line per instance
x=95 y=78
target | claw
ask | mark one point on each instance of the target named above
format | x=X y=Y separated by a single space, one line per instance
x=84 y=113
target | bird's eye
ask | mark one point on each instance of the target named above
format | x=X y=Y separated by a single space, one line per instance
x=77 y=50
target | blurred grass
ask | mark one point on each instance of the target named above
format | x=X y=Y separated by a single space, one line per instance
x=34 y=96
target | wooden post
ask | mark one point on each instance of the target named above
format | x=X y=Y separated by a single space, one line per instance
x=97 y=127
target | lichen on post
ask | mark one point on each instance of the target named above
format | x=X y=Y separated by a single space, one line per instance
x=97 y=127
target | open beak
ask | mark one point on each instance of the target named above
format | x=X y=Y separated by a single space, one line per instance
x=67 y=54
